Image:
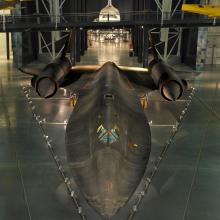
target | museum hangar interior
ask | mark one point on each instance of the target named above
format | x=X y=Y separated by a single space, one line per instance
x=109 y=109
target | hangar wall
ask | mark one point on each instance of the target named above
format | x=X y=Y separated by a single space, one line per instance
x=89 y=6
x=213 y=46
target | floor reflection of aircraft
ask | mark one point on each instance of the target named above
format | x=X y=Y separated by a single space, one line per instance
x=108 y=137
x=209 y=10
x=9 y=4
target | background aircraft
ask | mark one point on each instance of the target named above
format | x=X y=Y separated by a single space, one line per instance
x=9 y=4
x=209 y=10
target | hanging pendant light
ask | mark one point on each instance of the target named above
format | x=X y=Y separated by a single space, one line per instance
x=109 y=13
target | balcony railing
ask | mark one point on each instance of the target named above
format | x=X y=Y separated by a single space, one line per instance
x=149 y=18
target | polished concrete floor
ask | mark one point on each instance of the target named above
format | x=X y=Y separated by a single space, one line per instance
x=183 y=176
x=99 y=53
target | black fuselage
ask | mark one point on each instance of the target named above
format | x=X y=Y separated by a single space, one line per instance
x=108 y=140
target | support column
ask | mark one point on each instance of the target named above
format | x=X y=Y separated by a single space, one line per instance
x=82 y=51
x=83 y=32
x=75 y=10
x=189 y=46
x=140 y=45
x=147 y=4
x=135 y=8
x=53 y=9
x=17 y=48
x=141 y=6
x=7 y=46
x=86 y=40
x=73 y=47
x=137 y=32
x=135 y=41
x=78 y=44
x=166 y=13
x=53 y=44
x=180 y=42
x=79 y=10
x=38 y=21
x=201 y=46
x=145 y=47
x=17 y=41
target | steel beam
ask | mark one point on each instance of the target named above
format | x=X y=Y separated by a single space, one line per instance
x=38 y=22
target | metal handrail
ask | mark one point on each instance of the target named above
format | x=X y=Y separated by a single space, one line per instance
x=125 y=16
x=86 y=20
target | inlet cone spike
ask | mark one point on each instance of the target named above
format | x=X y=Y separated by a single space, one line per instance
x=171 y=90
x=46 y=87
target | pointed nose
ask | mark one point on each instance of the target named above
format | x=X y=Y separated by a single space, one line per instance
x=107 y=207
x=171 y=90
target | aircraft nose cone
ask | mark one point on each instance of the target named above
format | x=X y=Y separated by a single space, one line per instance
x=46 y=87
x=107 y=207
x=171 y=90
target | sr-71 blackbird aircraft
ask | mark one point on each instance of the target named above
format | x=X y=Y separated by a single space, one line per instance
x=108 y=137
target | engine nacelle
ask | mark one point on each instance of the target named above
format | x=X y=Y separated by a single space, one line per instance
x=167 y=81
x=48 y=82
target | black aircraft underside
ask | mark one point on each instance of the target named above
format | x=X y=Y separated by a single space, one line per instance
x=108 y=138
x=108 y=141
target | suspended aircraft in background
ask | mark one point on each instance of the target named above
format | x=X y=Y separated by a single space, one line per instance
x=209 y=10
x=108 y=138
x=10 y=4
